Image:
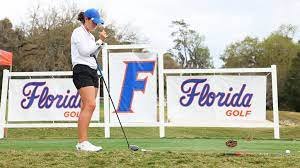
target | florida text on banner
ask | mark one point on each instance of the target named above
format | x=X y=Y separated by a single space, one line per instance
x=133 y=86
x=45 y=100
x=216 y=98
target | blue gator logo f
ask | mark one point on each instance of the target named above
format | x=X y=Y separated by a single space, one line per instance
x=131 y=83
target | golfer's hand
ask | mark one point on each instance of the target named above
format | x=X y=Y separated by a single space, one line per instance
x=103 y=35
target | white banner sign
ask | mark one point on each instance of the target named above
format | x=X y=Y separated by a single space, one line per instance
x=133 y=86
x=216 y=98
x=54 y=99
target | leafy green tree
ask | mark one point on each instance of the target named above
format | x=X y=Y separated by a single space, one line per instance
x=278 y=49
x=189 y=50
x=291 y=94
x=199 y=54
x=243 y=54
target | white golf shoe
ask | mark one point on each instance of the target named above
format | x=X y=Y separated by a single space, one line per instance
x=88 y=147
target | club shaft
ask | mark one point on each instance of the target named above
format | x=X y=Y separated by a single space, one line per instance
x=112 y=102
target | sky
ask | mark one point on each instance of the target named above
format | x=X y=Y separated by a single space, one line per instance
x=221 y=21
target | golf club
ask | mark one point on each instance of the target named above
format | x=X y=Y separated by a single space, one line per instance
x=131 y=147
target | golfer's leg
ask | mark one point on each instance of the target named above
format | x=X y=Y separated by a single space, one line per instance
x=87 y=95
x=96 y=92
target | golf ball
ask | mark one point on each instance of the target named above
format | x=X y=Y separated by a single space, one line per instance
x=145 y=150
x=287 y=151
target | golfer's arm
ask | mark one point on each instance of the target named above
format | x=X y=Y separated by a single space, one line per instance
x=87 y=50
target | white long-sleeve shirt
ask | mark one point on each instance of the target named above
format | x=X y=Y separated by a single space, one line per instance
x=82 y=46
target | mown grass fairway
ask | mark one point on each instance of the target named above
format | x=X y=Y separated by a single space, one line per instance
x=183 y=147
x=157 y=145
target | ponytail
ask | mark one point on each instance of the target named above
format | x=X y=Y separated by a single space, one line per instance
x=81 y=17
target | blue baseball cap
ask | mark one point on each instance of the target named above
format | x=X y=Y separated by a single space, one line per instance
x=94 y=15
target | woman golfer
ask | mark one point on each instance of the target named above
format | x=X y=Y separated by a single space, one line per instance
x=85 y=77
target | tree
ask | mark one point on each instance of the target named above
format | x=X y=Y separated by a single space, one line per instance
x=278 y=49
x=169 y=62
x=189 y=50
x=199 y=55
x=287 y=30
x=291 y=93
x=46 y=43
x=127 y=34
x=243 y=54
x=43 y=43
x=10 y=39
x=47 y=40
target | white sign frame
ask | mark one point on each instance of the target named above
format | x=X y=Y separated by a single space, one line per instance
x=162 y=124
x=265 y=124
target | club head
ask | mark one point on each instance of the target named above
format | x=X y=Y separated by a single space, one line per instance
x=133 y=147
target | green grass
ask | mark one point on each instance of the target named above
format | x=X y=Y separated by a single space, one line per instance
x=165 y=153
x=286 y=133
x=183 y=147
x=150 y=159
x=284 y=116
